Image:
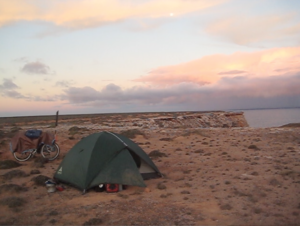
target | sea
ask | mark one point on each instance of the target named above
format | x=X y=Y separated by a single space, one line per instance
x=263 y=118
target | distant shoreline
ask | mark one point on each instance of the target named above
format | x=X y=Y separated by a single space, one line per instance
x=116 y=113
x=261 y=109
x=148 y=112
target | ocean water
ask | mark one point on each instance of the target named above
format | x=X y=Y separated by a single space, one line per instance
x=264 y=118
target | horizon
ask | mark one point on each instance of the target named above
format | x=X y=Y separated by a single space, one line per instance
x=149 y=112
x=119 y=56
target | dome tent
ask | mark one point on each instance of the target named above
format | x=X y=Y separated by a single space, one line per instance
x=106 y=158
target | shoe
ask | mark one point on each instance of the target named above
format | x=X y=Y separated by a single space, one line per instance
x=50 y=182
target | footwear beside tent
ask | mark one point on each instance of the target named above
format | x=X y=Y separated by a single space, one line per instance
x=106 y=158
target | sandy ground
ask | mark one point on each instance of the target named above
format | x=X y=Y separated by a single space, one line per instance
x=220 y=176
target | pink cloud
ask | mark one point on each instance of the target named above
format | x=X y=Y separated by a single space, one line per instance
x=210 y=69
x=254 y=28
x=81 y=13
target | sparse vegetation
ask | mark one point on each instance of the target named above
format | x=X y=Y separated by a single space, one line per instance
x=13 y=202
x=2 y=143
x=2 y=134
x=195 y=132
x=161 y=186
x=75 y=130
x=166 y=139
x=132 y=133
x=14 y=188
x=14 y=173
x=39 y=162
x=165 y=195
x=225 y=207
x=256 y=187
x=40 y=180
x=9 y=164
x=123 y=196
x=253 y=146
x=156 y=154
x=199 y=151
x=94 y=221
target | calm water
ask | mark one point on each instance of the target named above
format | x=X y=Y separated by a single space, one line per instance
x=272 y=117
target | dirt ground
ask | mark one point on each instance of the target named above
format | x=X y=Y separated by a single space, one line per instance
x=212 y=176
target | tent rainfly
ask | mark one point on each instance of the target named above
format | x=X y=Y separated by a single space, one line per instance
x=106 y=158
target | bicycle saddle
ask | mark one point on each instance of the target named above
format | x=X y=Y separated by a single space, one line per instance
x=33 y=133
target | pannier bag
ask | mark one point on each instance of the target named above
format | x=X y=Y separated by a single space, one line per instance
x=33 y=133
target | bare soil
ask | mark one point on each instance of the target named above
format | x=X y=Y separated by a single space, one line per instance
x=212 y=176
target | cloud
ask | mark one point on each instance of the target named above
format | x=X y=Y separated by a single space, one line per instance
x=7 y=89
x=8 y=84
x=64 y=83
x=82 y=14
x=227 y=93
x=13 y=94
x=210 y=69
x=246 y=29
x=232 y=72
x=44 y=99
x=36 y=68
x=21 y=59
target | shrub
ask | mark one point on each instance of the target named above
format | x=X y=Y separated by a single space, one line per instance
x=2 y=134
x=252 y=146
x=226 y=207
x=73 y=130
x=12 y=188
x=14 y=173
x=8 y=164
x=132 y=133
x=157 y=154
x=40 y=180
x=13 y=202
x=161 y=186
x=93 y=221
x=39 y=162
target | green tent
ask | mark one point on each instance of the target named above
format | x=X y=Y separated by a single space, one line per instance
x=106 y=158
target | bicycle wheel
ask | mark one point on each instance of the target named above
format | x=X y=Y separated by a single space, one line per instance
x=50 y=152
x=24 y=156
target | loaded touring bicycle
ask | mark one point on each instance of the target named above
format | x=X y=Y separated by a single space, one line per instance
x=25 y=145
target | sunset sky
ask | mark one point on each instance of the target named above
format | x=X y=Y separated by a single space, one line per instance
x=103 y=56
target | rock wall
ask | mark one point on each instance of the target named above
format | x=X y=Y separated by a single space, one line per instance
x=203 y=120
x=192 y=120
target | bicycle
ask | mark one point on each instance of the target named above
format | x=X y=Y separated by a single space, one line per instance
x=36 y=139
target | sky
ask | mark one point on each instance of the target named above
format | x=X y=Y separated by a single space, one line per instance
x=114 y=56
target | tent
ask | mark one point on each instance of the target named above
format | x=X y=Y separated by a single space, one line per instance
x=106 y=158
